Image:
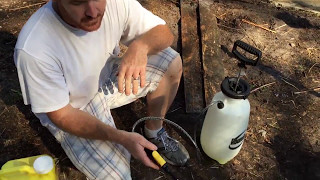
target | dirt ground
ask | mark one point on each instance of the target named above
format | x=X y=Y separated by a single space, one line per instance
x=283 y=137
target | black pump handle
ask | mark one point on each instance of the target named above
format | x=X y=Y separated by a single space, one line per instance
x=252 y=50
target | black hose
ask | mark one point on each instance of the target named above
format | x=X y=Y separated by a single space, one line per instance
x=167 y=121
x=179 y=127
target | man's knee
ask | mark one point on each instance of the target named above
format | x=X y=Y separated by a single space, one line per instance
x=175 y=68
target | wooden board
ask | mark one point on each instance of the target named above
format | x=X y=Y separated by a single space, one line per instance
x=211 y=59
x=192 y=67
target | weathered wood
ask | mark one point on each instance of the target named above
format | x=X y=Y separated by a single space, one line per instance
x=211 y=60
x=192 y=68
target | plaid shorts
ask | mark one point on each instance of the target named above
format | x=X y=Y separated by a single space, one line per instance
x=103 y=159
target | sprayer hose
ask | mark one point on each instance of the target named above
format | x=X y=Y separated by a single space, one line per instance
x=167 y=121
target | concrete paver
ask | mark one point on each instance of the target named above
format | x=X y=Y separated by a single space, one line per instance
x=308 y=5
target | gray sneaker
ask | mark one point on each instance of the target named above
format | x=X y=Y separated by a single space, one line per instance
x=170 y=149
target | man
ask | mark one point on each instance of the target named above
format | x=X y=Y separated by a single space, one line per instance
x=69 y=73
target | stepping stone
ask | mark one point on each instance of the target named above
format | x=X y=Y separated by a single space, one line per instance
x=307 y=5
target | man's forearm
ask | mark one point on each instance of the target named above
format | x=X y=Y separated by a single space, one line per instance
x=82 y=124
x=155 y=40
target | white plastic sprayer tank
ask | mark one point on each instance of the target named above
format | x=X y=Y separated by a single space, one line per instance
x=227 y=118
x=226 y=121
x=224 y=129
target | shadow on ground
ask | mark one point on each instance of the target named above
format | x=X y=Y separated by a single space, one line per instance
x=295 y=21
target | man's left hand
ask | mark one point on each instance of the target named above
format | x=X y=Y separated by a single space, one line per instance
x=133 y=69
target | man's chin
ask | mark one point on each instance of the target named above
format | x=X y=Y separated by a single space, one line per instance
x=90 y=27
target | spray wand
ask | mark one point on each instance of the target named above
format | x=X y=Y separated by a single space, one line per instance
x=161 y=162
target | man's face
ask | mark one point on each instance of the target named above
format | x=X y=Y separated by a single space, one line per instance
x=83 y=14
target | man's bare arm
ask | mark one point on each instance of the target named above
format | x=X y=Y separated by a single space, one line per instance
x=82 y=124
x=155 y=40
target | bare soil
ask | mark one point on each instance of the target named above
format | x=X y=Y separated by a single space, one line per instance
x=283 y=137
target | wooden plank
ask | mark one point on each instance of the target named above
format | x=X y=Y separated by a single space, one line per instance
x=192 y=68
x=211 y=59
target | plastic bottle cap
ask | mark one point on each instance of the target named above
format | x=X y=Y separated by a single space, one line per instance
x=43 y=164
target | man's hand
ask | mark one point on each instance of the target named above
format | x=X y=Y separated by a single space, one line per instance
x=134 y=61
x=133 y=68
x=135 y=144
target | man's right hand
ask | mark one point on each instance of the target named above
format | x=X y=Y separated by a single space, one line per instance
x=88 y=126
x=135 y=144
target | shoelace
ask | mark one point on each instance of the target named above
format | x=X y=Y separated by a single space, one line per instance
x=169 y=143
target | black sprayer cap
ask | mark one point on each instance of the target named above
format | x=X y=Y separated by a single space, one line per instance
x=228 y=88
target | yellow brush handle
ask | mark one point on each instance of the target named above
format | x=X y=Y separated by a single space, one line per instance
x=158 y=158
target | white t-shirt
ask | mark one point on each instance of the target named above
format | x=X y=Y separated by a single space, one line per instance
x=58 y=64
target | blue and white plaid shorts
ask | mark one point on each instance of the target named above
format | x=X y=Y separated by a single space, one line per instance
x=102 y=159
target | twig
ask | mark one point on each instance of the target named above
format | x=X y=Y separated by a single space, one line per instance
x=158 y=177
x=174 y=2
x=286 y=32
x=5 y=109
x=229 y=27
x=134 y=169
x=257 y=25
x=256 y=175
x=15 y=91
x=174 y=110
x=58 y=160
x=280 y=27
x=273 y=125
x=36 y=4
x=253 y=40
x=300 y=92
x=312 y=67
x=289 y=83
x=214 y=167
x=2 y=132
x=221 y=15
x=256 y=89
x=294 y=104
x=240 y=30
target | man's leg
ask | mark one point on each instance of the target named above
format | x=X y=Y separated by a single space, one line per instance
x=163 y=75
x=160 y=100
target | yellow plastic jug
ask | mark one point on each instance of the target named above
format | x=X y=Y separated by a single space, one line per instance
x=40 y=167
